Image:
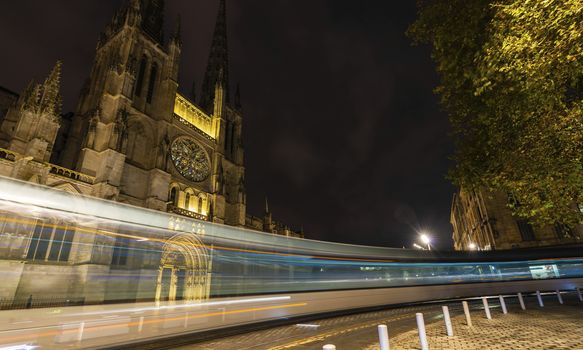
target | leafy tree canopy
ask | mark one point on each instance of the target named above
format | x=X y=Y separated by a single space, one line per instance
x=512 y=82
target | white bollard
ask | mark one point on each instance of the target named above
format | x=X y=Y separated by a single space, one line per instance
x=503 y=305
x=448 y=327
x=384 y=337
x=486 y=308
x=579 y=294
x=141 y=324
x=421 y=328
x=467 y=313
x=559 y=296
x=81 y=329
x=540 y=299
x=329 y=347
x=521 y=301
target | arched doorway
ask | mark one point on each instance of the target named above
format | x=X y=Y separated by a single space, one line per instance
x=184 y=270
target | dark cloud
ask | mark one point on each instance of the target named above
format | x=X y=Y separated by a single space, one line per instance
x=342 y=131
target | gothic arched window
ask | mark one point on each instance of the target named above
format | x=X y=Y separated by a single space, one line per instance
x=141 y=73
x=187 y=201
x=152 y=83
x=173 y=195
x=199 y=205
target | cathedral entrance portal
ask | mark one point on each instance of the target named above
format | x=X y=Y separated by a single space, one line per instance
x=184 y=270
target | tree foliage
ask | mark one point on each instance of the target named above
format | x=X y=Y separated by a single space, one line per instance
x=512 y=82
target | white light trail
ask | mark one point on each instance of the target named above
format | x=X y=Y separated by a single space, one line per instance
x=199 y=305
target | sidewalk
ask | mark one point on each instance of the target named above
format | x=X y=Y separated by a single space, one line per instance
x=553 y=327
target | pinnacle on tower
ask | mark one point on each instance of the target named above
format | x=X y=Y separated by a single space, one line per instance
x=50 y=100
x=218 y=62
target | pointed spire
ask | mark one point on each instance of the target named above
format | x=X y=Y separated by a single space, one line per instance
x=218 y=61
x=219 y=96
x=266 y=206
x=237 y=97
x=50 y=100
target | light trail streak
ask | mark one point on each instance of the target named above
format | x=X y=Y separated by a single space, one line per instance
x=179 y=306
x=89 y=328
x=260 y=252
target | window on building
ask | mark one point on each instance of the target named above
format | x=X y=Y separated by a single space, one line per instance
x=563 y=231
x=187 y=202
x=120 y=251
x=152 y=83
x=199 y=205
x=173 y=195
x=526 y=230
x=141 y=73
x=50 y=242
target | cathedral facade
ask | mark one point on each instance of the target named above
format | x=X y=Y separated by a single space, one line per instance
x=134 y=139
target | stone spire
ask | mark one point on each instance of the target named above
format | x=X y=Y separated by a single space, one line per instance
x=218 y=62
x=50 y=100
x=267 y=219
x=44 y=98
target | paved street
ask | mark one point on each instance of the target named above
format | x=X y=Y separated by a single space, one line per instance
x=553 y=327
x=358 y=330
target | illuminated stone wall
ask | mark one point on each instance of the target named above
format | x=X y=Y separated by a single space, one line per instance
x=482 y=220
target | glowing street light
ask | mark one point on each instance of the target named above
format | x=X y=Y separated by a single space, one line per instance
x=472 y=246
x=426 y=240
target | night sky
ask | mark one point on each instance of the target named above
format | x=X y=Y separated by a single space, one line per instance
x=342 y=131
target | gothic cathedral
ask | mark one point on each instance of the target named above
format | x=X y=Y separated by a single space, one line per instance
x=133 y=137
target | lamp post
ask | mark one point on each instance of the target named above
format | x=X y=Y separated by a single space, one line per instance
x=426 y=240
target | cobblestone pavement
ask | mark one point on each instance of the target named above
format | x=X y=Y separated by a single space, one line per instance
x=552 y=327
x=311 y=335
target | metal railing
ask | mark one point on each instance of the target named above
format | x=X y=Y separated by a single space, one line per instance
x=176 y=210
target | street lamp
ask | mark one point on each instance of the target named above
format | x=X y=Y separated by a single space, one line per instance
x=472 y=246
x=426 y=240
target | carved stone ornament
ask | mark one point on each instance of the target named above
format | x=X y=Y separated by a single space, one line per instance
x=190 y=159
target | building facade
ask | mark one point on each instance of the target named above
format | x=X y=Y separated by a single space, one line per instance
x=482 y=220
x=135 y=139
